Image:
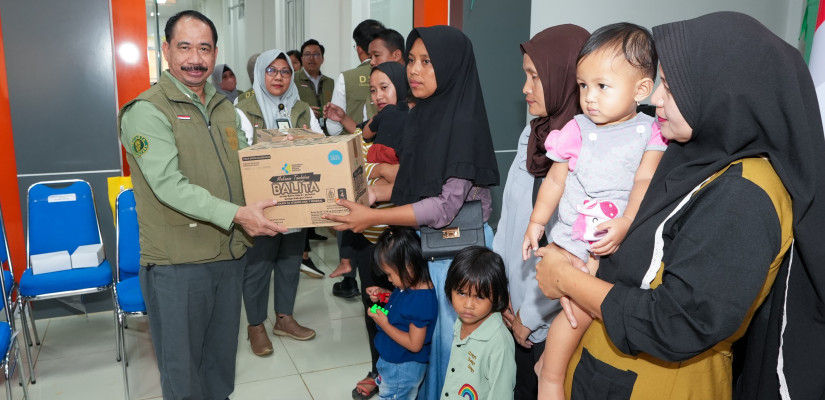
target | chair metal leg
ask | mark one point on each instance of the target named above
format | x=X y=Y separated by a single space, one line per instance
x=8 y=379
x=115 y=312
x=12 y=305
x=22 y=311
x=125 y=362
x=34 y=325
x=21 y=375
x=24 y=322
x=119 y=333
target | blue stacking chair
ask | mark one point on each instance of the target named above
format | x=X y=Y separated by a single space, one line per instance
x=9 y=347
x=129 y=299
x=8 y=274
x=61 y=215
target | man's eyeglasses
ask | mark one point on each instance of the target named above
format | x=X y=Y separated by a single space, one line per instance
x=312 y=55
x=272 y=71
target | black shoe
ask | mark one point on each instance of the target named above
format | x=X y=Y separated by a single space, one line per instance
x=312 y=235
x=346 y=288
x=308 y=267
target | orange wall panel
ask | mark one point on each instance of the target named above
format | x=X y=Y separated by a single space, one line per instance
x=431 y=12
x=131 y=60
x=9 y=192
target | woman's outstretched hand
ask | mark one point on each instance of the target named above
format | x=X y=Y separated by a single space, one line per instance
x=357 y=220
x=334 y=112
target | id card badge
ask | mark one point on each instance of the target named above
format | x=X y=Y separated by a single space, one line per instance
x=283 y=124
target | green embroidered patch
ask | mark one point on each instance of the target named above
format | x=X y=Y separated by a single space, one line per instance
x=139 y=145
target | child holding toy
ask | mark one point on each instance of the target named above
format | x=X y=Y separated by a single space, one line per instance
x=406 y=323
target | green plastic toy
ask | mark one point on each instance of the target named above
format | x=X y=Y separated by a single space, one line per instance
x=376 y=308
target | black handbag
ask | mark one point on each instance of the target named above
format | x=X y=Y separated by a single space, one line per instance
x=467 y=229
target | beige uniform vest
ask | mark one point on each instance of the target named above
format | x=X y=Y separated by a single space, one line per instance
x=299 y=116
x=306 y=89
x=357 y=85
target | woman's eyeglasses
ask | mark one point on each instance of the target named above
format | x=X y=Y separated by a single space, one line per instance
x=272 y=71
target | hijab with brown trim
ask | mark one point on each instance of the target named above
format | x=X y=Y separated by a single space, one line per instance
x=746 y=93
x=553 y=52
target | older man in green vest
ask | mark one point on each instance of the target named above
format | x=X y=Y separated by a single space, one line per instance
x=182 y=142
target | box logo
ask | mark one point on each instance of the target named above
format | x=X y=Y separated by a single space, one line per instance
x=287 y=168
x=295 y=184
x=335 y=157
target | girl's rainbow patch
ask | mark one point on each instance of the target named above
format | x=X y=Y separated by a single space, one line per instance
x=468 y=391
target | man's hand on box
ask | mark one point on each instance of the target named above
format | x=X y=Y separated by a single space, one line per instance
x=251 y=218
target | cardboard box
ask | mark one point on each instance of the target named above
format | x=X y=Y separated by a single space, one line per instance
x=50 y=262
x=87 y=256
x=306 y=176
x=277 y=135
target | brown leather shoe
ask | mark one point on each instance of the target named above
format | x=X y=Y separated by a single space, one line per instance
x=285 y=325
x=261 y=345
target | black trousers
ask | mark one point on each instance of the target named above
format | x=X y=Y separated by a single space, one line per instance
x=527 y=383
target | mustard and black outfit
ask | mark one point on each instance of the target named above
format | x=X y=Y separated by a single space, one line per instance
x=187 y=182
x=715 y=284
x=714 y=280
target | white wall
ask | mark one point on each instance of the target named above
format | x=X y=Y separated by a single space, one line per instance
x=331 y=22
x=241 y=38
x=783 y=17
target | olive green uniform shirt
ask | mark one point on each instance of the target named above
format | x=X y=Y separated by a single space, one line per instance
x=307 y=91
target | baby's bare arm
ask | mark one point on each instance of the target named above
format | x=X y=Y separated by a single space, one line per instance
x=547 y=201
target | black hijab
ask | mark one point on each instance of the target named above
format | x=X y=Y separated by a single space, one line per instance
x=745 y=92
x=554 y=52
x=389 y=123
x=447 y=134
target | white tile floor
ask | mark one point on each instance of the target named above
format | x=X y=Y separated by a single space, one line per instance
x=76 y=359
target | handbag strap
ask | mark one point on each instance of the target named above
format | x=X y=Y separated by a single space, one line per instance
x=474 y=194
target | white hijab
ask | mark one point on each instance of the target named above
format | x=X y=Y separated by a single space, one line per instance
x=270 y=104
